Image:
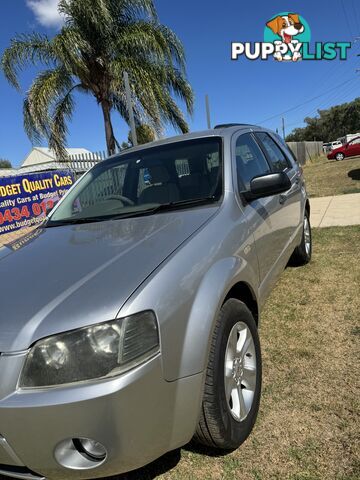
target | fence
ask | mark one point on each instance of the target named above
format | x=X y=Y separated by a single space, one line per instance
x=82 y=162
x=305 y=151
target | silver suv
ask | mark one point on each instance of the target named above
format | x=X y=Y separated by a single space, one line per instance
x=129 y=320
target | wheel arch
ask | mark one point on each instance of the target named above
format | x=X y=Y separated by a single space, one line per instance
x=243 y=292
x=229 y=277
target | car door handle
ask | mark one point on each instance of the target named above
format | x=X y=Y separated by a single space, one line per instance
x=294 y=187
x=282 y=198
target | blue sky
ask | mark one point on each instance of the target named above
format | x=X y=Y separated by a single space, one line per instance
x=243 y=91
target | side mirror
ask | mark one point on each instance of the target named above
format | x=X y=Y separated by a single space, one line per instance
x=267 y=185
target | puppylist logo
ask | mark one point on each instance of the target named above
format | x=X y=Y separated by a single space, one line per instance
x=287 y=37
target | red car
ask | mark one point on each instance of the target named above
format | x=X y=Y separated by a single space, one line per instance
x=350 y=149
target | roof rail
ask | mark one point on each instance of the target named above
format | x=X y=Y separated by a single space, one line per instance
x=228 y=125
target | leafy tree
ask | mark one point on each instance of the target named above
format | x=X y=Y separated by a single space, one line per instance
x=5 y=163
x=144 y=134
x=125 y=146
x=99 y=41
x=330 y=124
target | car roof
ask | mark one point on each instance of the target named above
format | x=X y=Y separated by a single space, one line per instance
x=225 y=131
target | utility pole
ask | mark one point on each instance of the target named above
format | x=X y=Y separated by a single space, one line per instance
x=208 y=118
x=283 y=127
x=130 y=109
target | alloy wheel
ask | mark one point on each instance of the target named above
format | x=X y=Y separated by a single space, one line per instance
x=307 y=235
x=240 y=371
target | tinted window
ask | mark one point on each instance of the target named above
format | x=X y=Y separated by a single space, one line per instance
x=288 y=149
x=276 y=156
x=105 y=186
x=136 y=181
x=250 y=161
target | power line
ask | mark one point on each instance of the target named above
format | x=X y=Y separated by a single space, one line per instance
x=336 y=71
x=335 y=99
x=305 y=102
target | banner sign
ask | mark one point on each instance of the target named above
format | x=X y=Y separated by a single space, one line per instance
x=26 y=199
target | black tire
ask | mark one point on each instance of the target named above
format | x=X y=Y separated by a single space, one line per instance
x=302 y=255
x=217 y=428
x=339 y=156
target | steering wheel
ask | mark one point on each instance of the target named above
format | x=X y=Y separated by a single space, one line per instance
x=122 y=199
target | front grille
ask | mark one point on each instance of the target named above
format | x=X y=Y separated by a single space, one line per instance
x=20 y=472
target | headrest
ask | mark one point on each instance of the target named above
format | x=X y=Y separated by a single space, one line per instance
x=159 y=174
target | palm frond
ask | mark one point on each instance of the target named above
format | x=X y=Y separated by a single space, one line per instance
x=63 y=111
x=128 y=10
x=86 y=15
x=152 y=85
x=41 y=106
x=23 y=50
x=48 y=86
x=34 y=131
x=72 y=50
x=151 y=40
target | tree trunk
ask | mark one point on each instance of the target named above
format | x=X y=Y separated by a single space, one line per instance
x=109 y=132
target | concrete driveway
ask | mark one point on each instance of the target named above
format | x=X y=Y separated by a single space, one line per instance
x=335 y=211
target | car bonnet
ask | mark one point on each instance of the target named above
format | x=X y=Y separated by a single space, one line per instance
x=73 y=276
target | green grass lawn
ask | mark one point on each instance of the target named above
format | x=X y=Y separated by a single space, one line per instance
x=308 y=424
x=329 y=177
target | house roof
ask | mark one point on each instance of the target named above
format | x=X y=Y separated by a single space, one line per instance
x=41 y=155
x=11 y=172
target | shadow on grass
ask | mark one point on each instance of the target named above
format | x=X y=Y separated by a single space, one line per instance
x=151 y=471
x=167 y=462
x=354 y=174
x=206 y=451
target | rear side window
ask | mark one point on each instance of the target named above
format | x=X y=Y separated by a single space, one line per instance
x=277 y=158
x=287 y=149
x=250 y=161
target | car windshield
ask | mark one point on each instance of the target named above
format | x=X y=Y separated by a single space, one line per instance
x=178 y=175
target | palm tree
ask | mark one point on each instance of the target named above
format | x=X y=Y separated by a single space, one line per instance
x=98 y=42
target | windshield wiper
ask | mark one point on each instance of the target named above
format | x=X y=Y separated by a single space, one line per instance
x=183 y=203
x=74 y=221
x=117 y=216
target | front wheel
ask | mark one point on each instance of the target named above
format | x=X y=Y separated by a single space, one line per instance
x=302 y=253
x=339 y=156
x=233 y=380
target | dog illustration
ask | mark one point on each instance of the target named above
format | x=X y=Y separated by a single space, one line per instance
x=287 y=27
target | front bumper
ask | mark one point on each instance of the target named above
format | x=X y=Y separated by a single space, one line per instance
x=137 y=417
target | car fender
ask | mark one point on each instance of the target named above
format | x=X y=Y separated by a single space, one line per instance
x=187 y=306
x=212 y=292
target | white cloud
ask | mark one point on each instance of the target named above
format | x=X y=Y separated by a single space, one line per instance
x=46 y=12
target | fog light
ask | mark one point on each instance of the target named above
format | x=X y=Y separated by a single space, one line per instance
x=90 y=448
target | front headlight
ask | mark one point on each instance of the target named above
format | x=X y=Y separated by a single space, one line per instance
x=92 y=353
